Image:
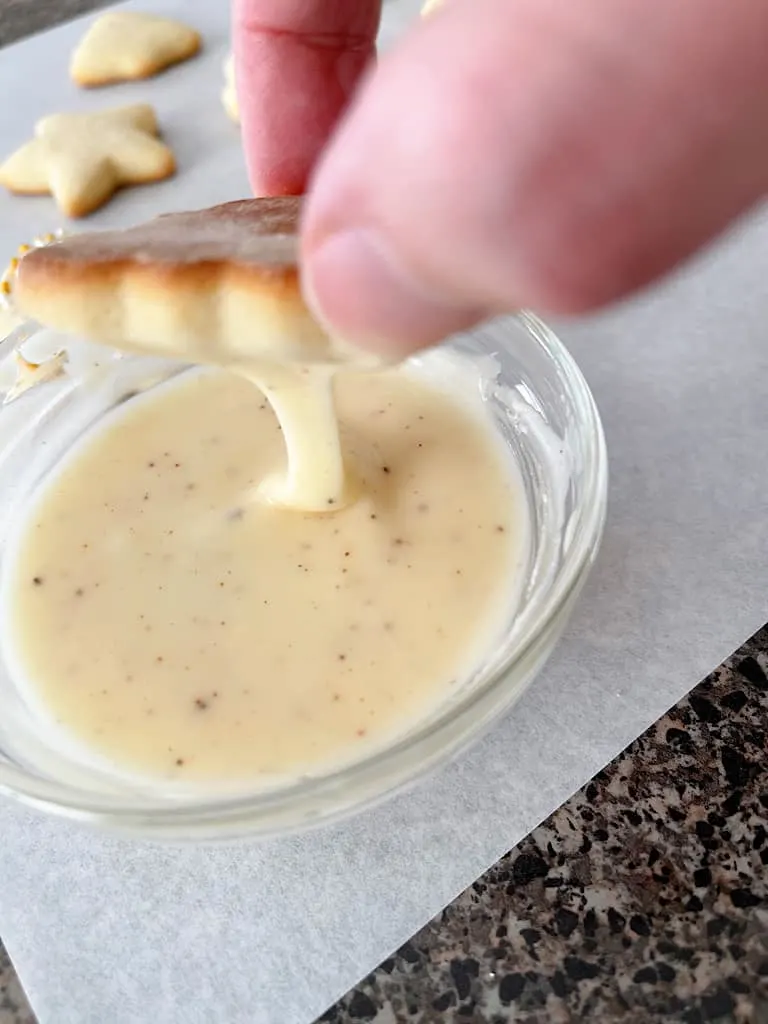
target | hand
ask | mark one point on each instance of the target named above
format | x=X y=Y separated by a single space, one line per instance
x=507 y=153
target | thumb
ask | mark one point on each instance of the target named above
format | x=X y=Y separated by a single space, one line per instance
x=536 y=153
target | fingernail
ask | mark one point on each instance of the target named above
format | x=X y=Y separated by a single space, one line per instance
x=356 y=285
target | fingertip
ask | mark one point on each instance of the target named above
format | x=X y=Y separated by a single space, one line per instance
x=532 y=153
x=296 y=64
x=357 y=284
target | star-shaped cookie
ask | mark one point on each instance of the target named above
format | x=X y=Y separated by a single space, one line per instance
x=213 y=286
x=124 y=45
x=82 y=159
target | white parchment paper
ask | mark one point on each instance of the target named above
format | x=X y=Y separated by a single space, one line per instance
x=105 y=930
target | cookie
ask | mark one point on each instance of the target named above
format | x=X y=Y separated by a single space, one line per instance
x=430 y=6
x=217 y=286
x=82 y=159
x=121 y=46
x=229 y=92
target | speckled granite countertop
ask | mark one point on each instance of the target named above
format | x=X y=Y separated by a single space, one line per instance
x=19 y=18
x=644 y=898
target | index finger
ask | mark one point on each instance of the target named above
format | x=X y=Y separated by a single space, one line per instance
x=296 y=65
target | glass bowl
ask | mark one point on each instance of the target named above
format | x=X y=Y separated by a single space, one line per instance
x=542 y=407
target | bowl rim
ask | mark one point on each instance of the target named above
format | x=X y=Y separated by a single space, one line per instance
x=372 y=779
